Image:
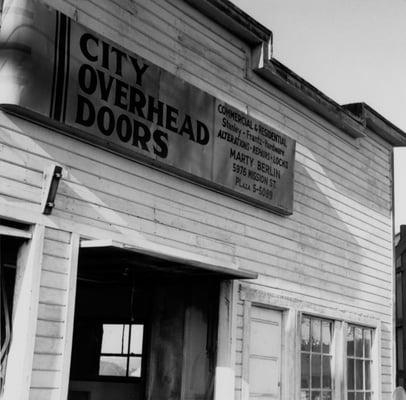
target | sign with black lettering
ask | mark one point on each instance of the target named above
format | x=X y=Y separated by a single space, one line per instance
x=58 y=71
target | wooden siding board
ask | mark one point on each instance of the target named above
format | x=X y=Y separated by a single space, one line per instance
x=47 y=362
x=50 y=328
x=49 y=379
x=44 y=394
x=54 y=280
x=55 y=264
x=51 y=312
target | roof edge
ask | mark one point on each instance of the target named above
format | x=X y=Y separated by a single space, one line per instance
x=232 y=18
x=353 y=118
x=378 y=123
x=298 y=88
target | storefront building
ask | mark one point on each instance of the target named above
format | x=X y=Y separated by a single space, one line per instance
x=182 y=216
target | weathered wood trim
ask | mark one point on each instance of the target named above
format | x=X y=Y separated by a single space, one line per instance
x=25 y=310
x=376 y=376
x=20 y=233
x=176 y=255
x=226 y=342
x=339 y=360
x=250 y=293
x=70 y=313
x=290 y=363
x=245 y=387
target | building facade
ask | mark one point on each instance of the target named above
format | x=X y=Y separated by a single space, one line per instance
x=182 y=216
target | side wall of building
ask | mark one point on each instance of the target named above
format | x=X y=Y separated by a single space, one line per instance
x=334 y=252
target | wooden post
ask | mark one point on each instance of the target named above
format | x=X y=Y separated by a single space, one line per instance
x=225 y=366
x=70 y=313
x=25 y=310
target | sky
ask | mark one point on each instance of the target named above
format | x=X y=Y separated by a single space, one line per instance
x=352 y=50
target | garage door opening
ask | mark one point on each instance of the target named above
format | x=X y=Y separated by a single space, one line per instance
x=145 y=328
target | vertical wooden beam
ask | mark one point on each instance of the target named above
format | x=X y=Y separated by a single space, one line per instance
x=376 y=373
x=225 y=367
x=25 y=311
x=245 y=387
x=339 y=367
x=70 y=314
x=289 y=378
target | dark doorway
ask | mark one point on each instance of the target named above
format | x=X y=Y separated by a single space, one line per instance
x=144 y=329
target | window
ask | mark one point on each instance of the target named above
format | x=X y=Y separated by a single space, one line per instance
x=316 y=358
x=121 y=350
x=359 y=361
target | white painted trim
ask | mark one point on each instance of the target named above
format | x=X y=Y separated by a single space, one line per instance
x=8 y=231
x=376 y=375
x=25 y=311
x=339 y=361
x=245 y=387
x=70 y=314
x=266 y=297
x=224 y=383
x=289 y=362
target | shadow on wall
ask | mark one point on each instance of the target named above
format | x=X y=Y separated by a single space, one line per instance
x=331 y=243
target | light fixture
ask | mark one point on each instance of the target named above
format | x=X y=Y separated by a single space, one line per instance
x=52 y=176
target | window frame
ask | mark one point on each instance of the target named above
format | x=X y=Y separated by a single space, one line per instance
x=339 y=353
x=320 y=353
x=374 y=359
x=126 y=355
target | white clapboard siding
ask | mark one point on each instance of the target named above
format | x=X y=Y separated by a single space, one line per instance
x=335 y=251
x=50 y=341
x=319 y=201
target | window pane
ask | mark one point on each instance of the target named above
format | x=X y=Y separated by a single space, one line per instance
x=315 y=395
x=305 y=371
x=125 y=339
x=350 y=374
x=359 y=374
x=137 y=333
x=358 y=342
x=326 y=335
x=351 y=396
x=368 y=396
x=113 y=366
x=135 y=367
x=368 y=375
x=326 y=396
x=367 y=343
x=114 y=340
x=316 y=335
x=304 y=395
x=316 y=371
x=350 y=341
x=359 y=396
x=326 y=372
x=305 y=334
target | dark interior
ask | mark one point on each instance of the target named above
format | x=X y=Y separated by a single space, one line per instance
x=175 y=308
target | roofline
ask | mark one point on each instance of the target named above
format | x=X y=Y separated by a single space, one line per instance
x=234 y=20
x=354 y=119
x=308 y=95
x=378 y=123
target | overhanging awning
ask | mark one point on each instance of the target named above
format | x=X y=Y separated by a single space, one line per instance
x=165 y=259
